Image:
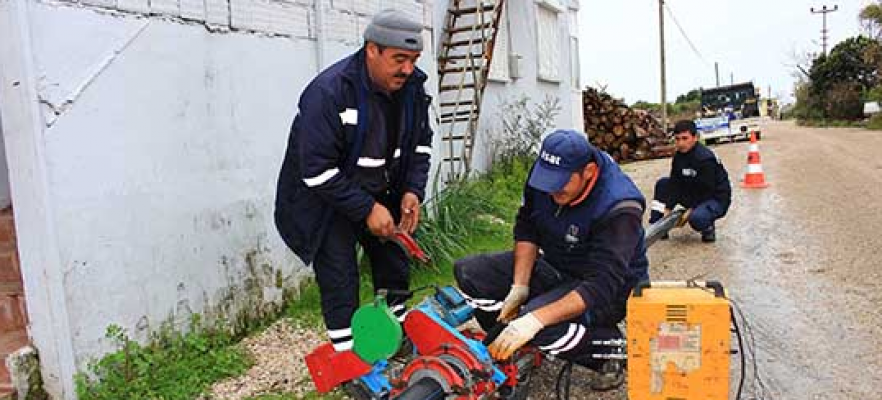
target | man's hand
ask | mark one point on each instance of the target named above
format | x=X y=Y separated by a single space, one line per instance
x=380 y=222
x=512 y=303
x=410 y=213
x=514 y=336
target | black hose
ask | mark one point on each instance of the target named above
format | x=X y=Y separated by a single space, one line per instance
x=423 y=389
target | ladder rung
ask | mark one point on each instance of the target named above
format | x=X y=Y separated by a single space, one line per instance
x=457 y=103
x=462 y=57
x=461 y=69
x=466 y=42
x=463 y=112
x=476 y=28
x=453 y=138
x=471 y=10
x=449 y=159
x=458 y=119
x=445 y=88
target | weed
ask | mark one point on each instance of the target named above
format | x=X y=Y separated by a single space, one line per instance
x=174 y=366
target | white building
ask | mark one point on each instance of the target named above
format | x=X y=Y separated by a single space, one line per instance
x=143 y=140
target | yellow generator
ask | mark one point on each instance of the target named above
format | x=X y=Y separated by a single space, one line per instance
x=678 y=341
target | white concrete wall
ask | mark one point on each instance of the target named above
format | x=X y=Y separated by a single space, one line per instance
x=143 y=154
x=523 y=40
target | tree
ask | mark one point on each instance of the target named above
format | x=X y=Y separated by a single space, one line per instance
x=692 y=95
x=871 y=16
x=838 y=82
x=846 y=64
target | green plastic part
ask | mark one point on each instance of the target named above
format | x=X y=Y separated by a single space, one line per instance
x=375 y=331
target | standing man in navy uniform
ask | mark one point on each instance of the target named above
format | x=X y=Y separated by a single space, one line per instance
x=355 y=169
x=698 y=182
x=585 y=216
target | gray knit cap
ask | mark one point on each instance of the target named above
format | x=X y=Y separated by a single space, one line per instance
x=392 y=28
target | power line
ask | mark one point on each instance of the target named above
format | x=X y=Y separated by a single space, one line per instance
x=685 y=36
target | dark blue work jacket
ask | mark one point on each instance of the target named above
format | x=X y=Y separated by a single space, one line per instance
x=339 y=158
x=598 y=241
x=697 y=176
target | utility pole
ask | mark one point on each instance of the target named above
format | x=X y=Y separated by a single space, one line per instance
x=661 y=35
x=824 y=11
x=717 y=72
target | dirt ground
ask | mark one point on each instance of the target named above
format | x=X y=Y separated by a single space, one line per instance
x=801 y=258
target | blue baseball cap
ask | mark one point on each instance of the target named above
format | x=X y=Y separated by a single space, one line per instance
x=563 y=152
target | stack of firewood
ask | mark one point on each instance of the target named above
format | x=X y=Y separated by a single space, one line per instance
x=625 y=133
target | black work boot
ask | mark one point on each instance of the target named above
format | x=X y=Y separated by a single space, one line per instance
x=709 y=235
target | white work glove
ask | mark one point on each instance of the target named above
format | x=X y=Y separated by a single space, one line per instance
x=513 y=301
x=515 y=335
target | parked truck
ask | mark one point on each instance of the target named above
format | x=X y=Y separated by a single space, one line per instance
x=729 y=113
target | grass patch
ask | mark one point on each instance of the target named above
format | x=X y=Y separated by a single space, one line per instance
x=174 y=366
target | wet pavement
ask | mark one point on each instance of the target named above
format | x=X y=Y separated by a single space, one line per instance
x=801 y=259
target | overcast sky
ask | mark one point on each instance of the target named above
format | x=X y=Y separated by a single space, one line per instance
x=753 y=39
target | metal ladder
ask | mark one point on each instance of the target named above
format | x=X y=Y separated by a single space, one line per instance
x=463 y=64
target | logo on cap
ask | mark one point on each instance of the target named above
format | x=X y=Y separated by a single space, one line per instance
x=550 y=158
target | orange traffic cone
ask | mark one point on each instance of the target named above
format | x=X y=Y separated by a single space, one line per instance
x=754 y=178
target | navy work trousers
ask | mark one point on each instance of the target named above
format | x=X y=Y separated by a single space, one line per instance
x=703 y=215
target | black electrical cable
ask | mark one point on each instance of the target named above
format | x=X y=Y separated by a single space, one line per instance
x=740 y=351
x=758 y=383
x=564 y=377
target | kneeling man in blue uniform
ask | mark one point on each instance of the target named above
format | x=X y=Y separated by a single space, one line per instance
x=698 y=182
x=578 y=252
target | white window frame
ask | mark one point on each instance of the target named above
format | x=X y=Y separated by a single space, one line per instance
x=548 y=67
